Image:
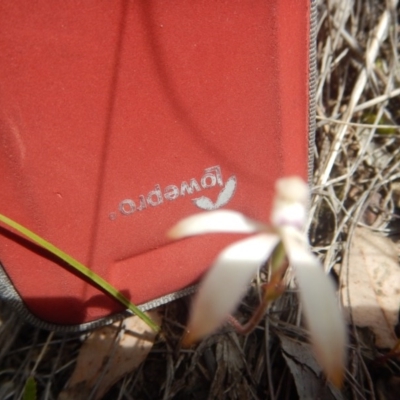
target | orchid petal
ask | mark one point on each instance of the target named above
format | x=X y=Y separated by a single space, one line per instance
x=215 y=221
x=320 y=307
x=226 y=282
x=291 y=202
x=292 y=189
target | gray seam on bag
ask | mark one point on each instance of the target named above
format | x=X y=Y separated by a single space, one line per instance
x=11 y=298
x=312 y=89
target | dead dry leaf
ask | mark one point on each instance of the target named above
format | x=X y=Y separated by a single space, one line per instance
x=370 y=285
x=306 y=372
x=230 y=371
x=107 y=355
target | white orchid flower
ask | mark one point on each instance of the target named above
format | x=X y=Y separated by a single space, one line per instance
x=226 y=282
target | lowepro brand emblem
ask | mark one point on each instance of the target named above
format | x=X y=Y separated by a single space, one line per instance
x=212 y=177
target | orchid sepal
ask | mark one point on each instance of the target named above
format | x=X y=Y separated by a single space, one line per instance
x=234 y=267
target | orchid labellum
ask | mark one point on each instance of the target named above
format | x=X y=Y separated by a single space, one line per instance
x=226 y=282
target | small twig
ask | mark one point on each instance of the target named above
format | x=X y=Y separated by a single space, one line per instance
x=394 y=353
x=359 y=125
x=372 y=52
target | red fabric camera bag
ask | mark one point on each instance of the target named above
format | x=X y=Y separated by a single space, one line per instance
x=119 y=118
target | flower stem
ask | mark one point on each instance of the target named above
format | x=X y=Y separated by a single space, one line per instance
x=272 y=290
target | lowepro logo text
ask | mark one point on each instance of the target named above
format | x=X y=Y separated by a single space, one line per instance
x=212 y=177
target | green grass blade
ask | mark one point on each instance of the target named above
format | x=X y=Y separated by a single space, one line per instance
x=98 y=280
x=29 y=389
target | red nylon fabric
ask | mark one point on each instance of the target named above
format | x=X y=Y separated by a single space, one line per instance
x=112 y=113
